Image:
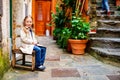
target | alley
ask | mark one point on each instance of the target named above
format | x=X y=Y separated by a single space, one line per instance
x=61 y=65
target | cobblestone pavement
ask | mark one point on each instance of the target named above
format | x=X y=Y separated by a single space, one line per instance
x=61 y=65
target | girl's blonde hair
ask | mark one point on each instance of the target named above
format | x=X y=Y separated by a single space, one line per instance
x=25 y=19
x=25 y=24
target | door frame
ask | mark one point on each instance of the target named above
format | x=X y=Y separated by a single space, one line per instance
x=53 y=5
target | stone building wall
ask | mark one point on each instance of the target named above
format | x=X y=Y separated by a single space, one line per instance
x=18 y=11
x=1 y=12
x=5 y=26
x=93 y=14
x=4 y=36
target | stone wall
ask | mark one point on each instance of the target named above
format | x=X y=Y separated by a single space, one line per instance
x=4 y=36
x=18 y=10
x=93 y=14
x=0 y=33
x=1 y=8
x=1 y=12
x=5 y=26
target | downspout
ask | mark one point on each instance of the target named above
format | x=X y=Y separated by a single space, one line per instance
x=10 y=37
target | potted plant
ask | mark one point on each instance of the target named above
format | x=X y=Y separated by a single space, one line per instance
x=79 y=35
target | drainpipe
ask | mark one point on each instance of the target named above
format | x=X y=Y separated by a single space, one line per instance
x=10 y=37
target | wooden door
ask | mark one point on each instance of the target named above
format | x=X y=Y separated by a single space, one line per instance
x=42 y=16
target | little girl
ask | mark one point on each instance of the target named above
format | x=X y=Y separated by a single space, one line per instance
x=29 y=43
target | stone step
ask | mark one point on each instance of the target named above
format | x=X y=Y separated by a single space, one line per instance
x=110 y=1
x=107 y=26
x=99 y=2
x=106 y=53
x=108 y=32
x=112 y=7
x=105 y=42
x=114 y=23
x=110 y=17
x=103 y=12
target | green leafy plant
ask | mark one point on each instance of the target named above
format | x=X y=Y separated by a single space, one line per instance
x=80 y=28
x=61 y=20
x=118 y=8
x=68 y=25
x=63 y=37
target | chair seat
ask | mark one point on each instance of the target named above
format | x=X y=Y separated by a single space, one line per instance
x=18 y=51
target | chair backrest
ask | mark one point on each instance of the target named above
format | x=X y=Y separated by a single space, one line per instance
x=16 y=36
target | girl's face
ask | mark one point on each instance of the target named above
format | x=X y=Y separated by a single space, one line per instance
x=28 y=22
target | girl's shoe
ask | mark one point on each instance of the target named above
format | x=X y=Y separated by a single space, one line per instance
x=41 y=68
x=108 y=13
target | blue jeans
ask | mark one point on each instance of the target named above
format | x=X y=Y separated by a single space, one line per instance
x=40 y=55
x=105 y=5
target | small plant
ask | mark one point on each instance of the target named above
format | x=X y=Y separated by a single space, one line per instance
x=118 y=8
x=63 y=37
x=80 y=28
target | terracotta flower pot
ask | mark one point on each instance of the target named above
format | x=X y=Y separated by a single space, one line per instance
x=78 y=46
x=69 y=47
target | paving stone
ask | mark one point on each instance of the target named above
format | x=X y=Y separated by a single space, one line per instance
x=51 y=64
x=64 y=78
x=97 y=70
x=114 y=77
x=65 y=72
x=27 y=76
x=53 y=58
x=98 y=77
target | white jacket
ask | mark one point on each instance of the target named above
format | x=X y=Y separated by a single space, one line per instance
x=26 y=41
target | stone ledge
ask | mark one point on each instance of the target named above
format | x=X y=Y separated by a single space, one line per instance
x=106 y=39
x=112 y=58
x=109 y=29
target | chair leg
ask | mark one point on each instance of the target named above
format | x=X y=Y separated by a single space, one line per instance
x=33 y=61
x=13 y=59
x=23 y=59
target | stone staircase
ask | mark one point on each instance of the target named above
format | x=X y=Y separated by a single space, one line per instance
x=105 y=44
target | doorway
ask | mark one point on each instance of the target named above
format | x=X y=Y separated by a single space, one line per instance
x=42 y=17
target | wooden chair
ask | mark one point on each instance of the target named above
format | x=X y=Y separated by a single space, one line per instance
x=16 y=51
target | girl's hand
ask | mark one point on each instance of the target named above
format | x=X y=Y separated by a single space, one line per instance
x=34 y=43
x=39 y=45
